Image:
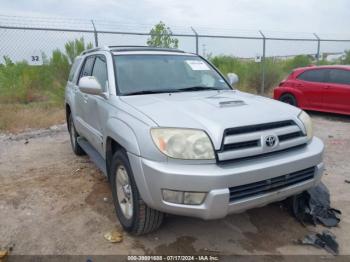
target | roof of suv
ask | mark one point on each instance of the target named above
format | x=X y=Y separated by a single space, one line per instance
x=124 y=48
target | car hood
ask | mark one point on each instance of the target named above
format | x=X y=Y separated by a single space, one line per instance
x=212 y=111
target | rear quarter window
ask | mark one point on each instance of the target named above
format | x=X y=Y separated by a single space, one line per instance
x=314 y=75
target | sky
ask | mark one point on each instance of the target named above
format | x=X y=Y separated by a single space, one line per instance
x=278 y=15
x=330 y=19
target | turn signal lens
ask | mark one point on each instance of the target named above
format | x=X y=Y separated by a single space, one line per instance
x=181 y=197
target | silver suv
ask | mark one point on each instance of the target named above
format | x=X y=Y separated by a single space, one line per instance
x=173 y=136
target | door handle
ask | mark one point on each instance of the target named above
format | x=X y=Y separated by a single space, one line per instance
x=327 y=87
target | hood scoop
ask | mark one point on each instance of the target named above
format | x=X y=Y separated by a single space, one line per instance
x=230 y=103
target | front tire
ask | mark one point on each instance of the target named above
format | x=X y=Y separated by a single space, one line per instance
x=289 y=99
x=133 y=213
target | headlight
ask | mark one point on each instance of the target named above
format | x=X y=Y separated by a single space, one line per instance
x=183 y=143
x=307 y=124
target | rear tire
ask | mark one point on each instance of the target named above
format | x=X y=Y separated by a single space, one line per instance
x=289 y=99
x=133 y=213
x=74 y=137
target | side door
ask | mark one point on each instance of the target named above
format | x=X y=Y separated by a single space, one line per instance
x=81 y=99
x=311 y=83
x=337 y=94
x=96 y=105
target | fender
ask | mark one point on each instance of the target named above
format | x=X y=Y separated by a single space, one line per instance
x=122 y=133
x=297 y=93
x=126 y=138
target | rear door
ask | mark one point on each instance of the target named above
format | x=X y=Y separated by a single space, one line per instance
x=311 y=83
x=337 y=90
x=81 y=99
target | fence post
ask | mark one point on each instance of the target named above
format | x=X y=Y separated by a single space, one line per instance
x=197 y=42
x=95 y=33
x=262 y=88
x=318 y=48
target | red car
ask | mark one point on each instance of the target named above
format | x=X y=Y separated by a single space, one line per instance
x=319 y=88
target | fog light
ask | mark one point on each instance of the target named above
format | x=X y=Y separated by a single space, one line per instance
x=180 y=197
x=193 y=198
x=173 y=196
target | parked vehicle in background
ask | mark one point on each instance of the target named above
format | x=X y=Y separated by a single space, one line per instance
x=173 y=136
x=319 y=88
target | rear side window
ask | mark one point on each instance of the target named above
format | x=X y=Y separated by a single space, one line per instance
x=339 y=76
x=99 y=71
x=73 y=69
x=315 y=75
x=87 y=67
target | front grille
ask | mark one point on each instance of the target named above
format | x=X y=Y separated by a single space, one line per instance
x=240 y=145
x=256 y=128
x=249 y=141
x=273 y=153
x=270 y=185
x=285 y=137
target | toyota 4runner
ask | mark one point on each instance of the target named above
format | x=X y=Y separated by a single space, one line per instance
x=173 y=136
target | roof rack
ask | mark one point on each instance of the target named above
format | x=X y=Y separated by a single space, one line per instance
x=121 y=48
x=99 y=48
x=128 y=46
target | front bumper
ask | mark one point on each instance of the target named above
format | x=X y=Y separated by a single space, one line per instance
x=151 y=177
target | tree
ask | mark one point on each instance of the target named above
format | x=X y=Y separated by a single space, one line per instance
x=8 y=61
x=59 y=63
x=161 y=36
x=75 y=47
x=346 y=59
x=297 y=61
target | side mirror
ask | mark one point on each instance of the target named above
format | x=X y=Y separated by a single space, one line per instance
x=89 y=85
x=232 y=78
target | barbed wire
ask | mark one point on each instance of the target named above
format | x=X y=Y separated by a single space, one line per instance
x=21 y=37
x=114 y=25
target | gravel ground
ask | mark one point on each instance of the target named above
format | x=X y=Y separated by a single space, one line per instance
x=53 y=202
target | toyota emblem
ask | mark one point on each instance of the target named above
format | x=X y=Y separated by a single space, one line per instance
x=271 y=141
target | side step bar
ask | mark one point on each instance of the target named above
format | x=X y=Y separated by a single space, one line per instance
x=93 y=154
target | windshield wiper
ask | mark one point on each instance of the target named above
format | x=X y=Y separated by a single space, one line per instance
x=199 y=88
x=146 y=92
x=185 y=89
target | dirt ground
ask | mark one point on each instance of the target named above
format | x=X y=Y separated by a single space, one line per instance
x=15 y=117
x=53 y=202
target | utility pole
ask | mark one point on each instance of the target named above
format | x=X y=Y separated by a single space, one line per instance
x=197 y=40
x=262 y=88
x=318 y=48
x=95 y=33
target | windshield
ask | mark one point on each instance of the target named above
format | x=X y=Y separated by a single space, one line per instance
x=137 y=74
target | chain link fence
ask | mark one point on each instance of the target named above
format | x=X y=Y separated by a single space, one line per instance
x=31 y=39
